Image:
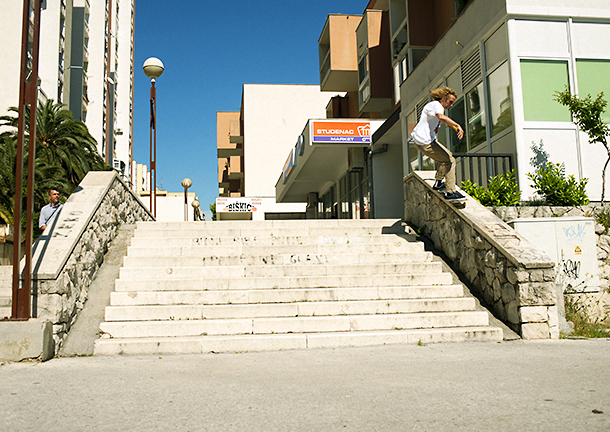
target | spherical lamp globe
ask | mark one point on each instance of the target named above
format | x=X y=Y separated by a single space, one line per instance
x=153 y=68
x=187 y=183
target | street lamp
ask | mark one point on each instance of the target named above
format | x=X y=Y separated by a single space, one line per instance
x=153 y=68
x=195 y=205
x=186 y=183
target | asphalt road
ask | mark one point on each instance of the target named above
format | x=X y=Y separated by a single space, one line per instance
x=560 y=385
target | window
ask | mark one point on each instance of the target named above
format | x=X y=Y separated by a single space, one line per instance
x=457 y=113
x=413 y=153
x=500 y=106
x=344 y=198
x=496 y=47
x=540 y=80
x=476 y=117
x=417 y=56
x=593 y=79
x=455 y=80
x=397 y=83
x=363 y=68
x=355 y=195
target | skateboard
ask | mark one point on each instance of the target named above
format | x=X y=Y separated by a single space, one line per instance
x=458 y=202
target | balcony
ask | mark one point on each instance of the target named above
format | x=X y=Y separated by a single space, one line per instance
x=374 y=62
x=235 y=170
x=229 y=152
x=338 y=54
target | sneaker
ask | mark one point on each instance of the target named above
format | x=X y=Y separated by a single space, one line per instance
x=438 y=185
x=455 y=196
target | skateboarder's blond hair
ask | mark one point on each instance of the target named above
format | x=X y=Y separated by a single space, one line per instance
x=443 y=92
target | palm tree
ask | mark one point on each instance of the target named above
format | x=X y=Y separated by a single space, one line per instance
x=7 y=177
x=62 y=141
x=47 y=176
x=65 y=153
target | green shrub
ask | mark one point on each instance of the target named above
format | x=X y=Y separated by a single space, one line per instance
x=603 y=218
x=584 y=324
x=502 y=190
x=551 y=183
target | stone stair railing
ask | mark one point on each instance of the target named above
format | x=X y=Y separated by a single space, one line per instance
x=68 y=254
x=515 y=280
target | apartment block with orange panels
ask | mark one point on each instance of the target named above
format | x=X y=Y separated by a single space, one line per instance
x=230 y=141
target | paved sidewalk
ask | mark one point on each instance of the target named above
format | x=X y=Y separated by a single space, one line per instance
x=510 y=386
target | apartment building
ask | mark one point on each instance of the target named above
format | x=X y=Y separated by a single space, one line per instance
x=86 y=62
x=505 y=59
x=348 y=175
x=252 y=145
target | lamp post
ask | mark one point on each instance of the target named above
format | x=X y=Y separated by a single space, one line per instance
x=195 y=205
x=186 y=183
x=153 y=68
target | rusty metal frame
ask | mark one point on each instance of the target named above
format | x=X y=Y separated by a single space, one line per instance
x=28 y=95
x=153 y=148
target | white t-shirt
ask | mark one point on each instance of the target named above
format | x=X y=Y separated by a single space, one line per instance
x=425 y=131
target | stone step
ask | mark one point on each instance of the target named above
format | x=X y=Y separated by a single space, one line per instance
x=313 y=324
x=246 y=250
x=364 y=234
x=386 y=225
x=276 y=342
x=275 y=271
x=277 y=259
x=190 y=284
x=6 y=274
x=179 y=239
x=300 y=309
x=255 y=296
x=268 y=285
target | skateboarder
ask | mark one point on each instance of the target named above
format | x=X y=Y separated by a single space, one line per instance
x=424 y=137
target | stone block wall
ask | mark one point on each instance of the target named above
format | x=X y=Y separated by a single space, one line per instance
x=59 y=299
x=514 y=279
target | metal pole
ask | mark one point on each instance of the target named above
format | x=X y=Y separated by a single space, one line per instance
x=109 y=109
x=186 y=207
x=28 y=95
x=153 y=148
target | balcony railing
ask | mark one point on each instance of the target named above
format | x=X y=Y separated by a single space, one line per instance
x=325 y=68
x=479 y=167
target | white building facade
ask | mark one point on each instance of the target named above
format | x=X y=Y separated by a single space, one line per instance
x=506 y=59
x=273 y=116
x=85 y=62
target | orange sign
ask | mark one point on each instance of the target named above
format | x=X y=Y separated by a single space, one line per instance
x=337 y=131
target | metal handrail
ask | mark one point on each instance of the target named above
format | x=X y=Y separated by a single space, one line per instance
x=494 y=163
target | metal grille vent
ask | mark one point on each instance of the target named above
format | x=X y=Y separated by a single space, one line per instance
x=471 y=69
x=420 y=106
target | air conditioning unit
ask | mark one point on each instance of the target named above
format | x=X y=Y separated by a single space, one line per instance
x=118 y=165
x=355 y=159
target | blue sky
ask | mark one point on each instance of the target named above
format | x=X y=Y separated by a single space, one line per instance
x=209 y=50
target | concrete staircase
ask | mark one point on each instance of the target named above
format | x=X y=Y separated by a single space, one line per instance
x=272 y=285
x=6 y=290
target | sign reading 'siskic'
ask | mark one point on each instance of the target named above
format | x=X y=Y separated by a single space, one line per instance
x=341 y=132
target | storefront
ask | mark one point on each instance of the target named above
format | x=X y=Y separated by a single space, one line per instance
x=244 y=208
x=330 y=168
